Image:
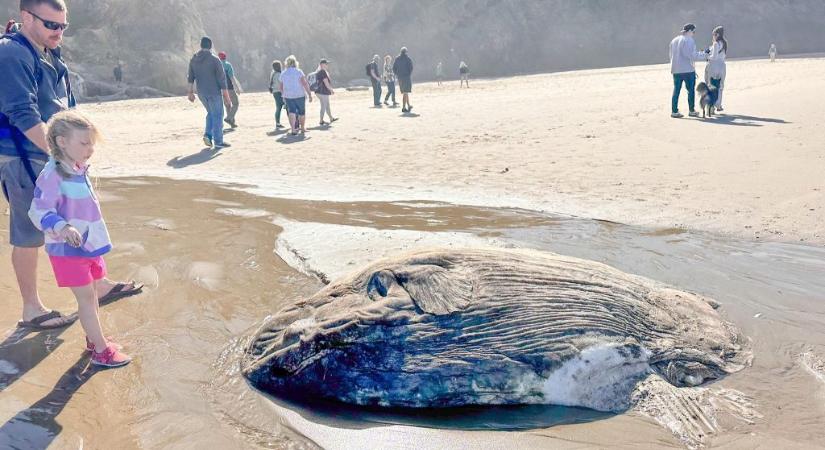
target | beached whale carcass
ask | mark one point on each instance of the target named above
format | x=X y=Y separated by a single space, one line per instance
x=447 y=327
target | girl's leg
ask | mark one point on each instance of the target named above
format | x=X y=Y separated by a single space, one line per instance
x=87 y=312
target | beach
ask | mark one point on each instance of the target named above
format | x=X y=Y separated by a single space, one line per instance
x=587 y=164
x=596 y=144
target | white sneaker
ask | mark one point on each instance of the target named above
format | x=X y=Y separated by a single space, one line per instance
x=693 y=114
x=719 y=108
x=676 y=115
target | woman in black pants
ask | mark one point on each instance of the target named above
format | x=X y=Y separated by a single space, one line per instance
x=275 y=89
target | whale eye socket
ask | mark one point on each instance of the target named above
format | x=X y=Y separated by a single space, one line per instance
x=380 y=283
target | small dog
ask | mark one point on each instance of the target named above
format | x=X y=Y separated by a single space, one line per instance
x=707 y=100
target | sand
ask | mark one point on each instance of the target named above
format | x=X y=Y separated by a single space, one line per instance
x=597 y=144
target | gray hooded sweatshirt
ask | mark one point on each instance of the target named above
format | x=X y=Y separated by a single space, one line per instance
x=206 y=70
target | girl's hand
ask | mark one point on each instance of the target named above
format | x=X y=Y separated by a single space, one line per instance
x=71 y=236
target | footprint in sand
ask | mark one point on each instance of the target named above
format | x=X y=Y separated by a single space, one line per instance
x=206 y=275
x=147 y=275
x=162 y=224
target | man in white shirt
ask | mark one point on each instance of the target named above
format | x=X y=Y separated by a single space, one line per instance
x=683 y=55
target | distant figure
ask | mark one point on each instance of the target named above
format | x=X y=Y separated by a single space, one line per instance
x=715 y=70
x=439 y=72
x=403 y=68
x=234 y=88
x=206 y=69
x=683 y=55
x=295 y=89
x=375 y=79
x=324 y=90
x=118 y=72
x=389 y=78
x=464 y=74
x=772 y=52
x=275 y=90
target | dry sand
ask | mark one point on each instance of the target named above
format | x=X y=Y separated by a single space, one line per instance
x=596 y=144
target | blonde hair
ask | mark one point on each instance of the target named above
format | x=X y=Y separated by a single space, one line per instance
x=387 y=59
x=291 y=61
x=64 y=124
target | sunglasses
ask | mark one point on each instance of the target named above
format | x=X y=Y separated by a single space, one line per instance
x=54 y=26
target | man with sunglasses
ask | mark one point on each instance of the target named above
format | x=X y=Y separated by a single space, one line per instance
x=34 y=86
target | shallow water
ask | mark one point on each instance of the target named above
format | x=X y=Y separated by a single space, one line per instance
x=206 y=254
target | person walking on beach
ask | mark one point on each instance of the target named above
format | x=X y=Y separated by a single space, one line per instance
x=34 y=86
x=772 y=52
x=715 y=70
x=118 y=72
x=375 y=80
x=683 y=55
x=66 y=208
x=324 y=90
x=275 y=90
x=234 y=88
x=389 y=78
x=206 y=69
x=403 y=68
x=439 y=73
x=464 y=74
x=295 y=89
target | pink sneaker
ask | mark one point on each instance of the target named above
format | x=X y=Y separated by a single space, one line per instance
x=91 y=347
x=110 y=357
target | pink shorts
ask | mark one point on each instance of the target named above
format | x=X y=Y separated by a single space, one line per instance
x=76 y=271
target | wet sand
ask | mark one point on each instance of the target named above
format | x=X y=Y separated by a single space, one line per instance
x=593 y=144
x=207 y=254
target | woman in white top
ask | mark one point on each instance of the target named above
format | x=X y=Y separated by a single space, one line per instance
x=715 y=70
x=295 y=90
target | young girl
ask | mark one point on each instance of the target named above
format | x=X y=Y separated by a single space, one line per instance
x=67 y=210
x=715 y=70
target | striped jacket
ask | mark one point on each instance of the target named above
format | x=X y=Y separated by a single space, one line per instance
x=57 y=202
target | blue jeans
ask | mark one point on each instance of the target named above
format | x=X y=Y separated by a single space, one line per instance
x=214 y=117
x=390 y=91
x=689 y=79
x=376 y=92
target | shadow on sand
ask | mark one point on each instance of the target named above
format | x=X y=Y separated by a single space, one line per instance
x=741 y=120
x=205 y=155
x=36 y=427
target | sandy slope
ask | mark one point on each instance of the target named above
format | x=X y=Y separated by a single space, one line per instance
x=593 y=143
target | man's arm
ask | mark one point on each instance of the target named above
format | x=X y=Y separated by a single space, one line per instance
x=18 y=96
x=191 y=92
x=37 y=134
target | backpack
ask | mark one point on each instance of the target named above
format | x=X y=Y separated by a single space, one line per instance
x=369 y=71
x=312 y=79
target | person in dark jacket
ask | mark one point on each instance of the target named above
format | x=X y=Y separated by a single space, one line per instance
x=403 y=68
x=375 y=79
x=206 y=69
x=33 y=87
